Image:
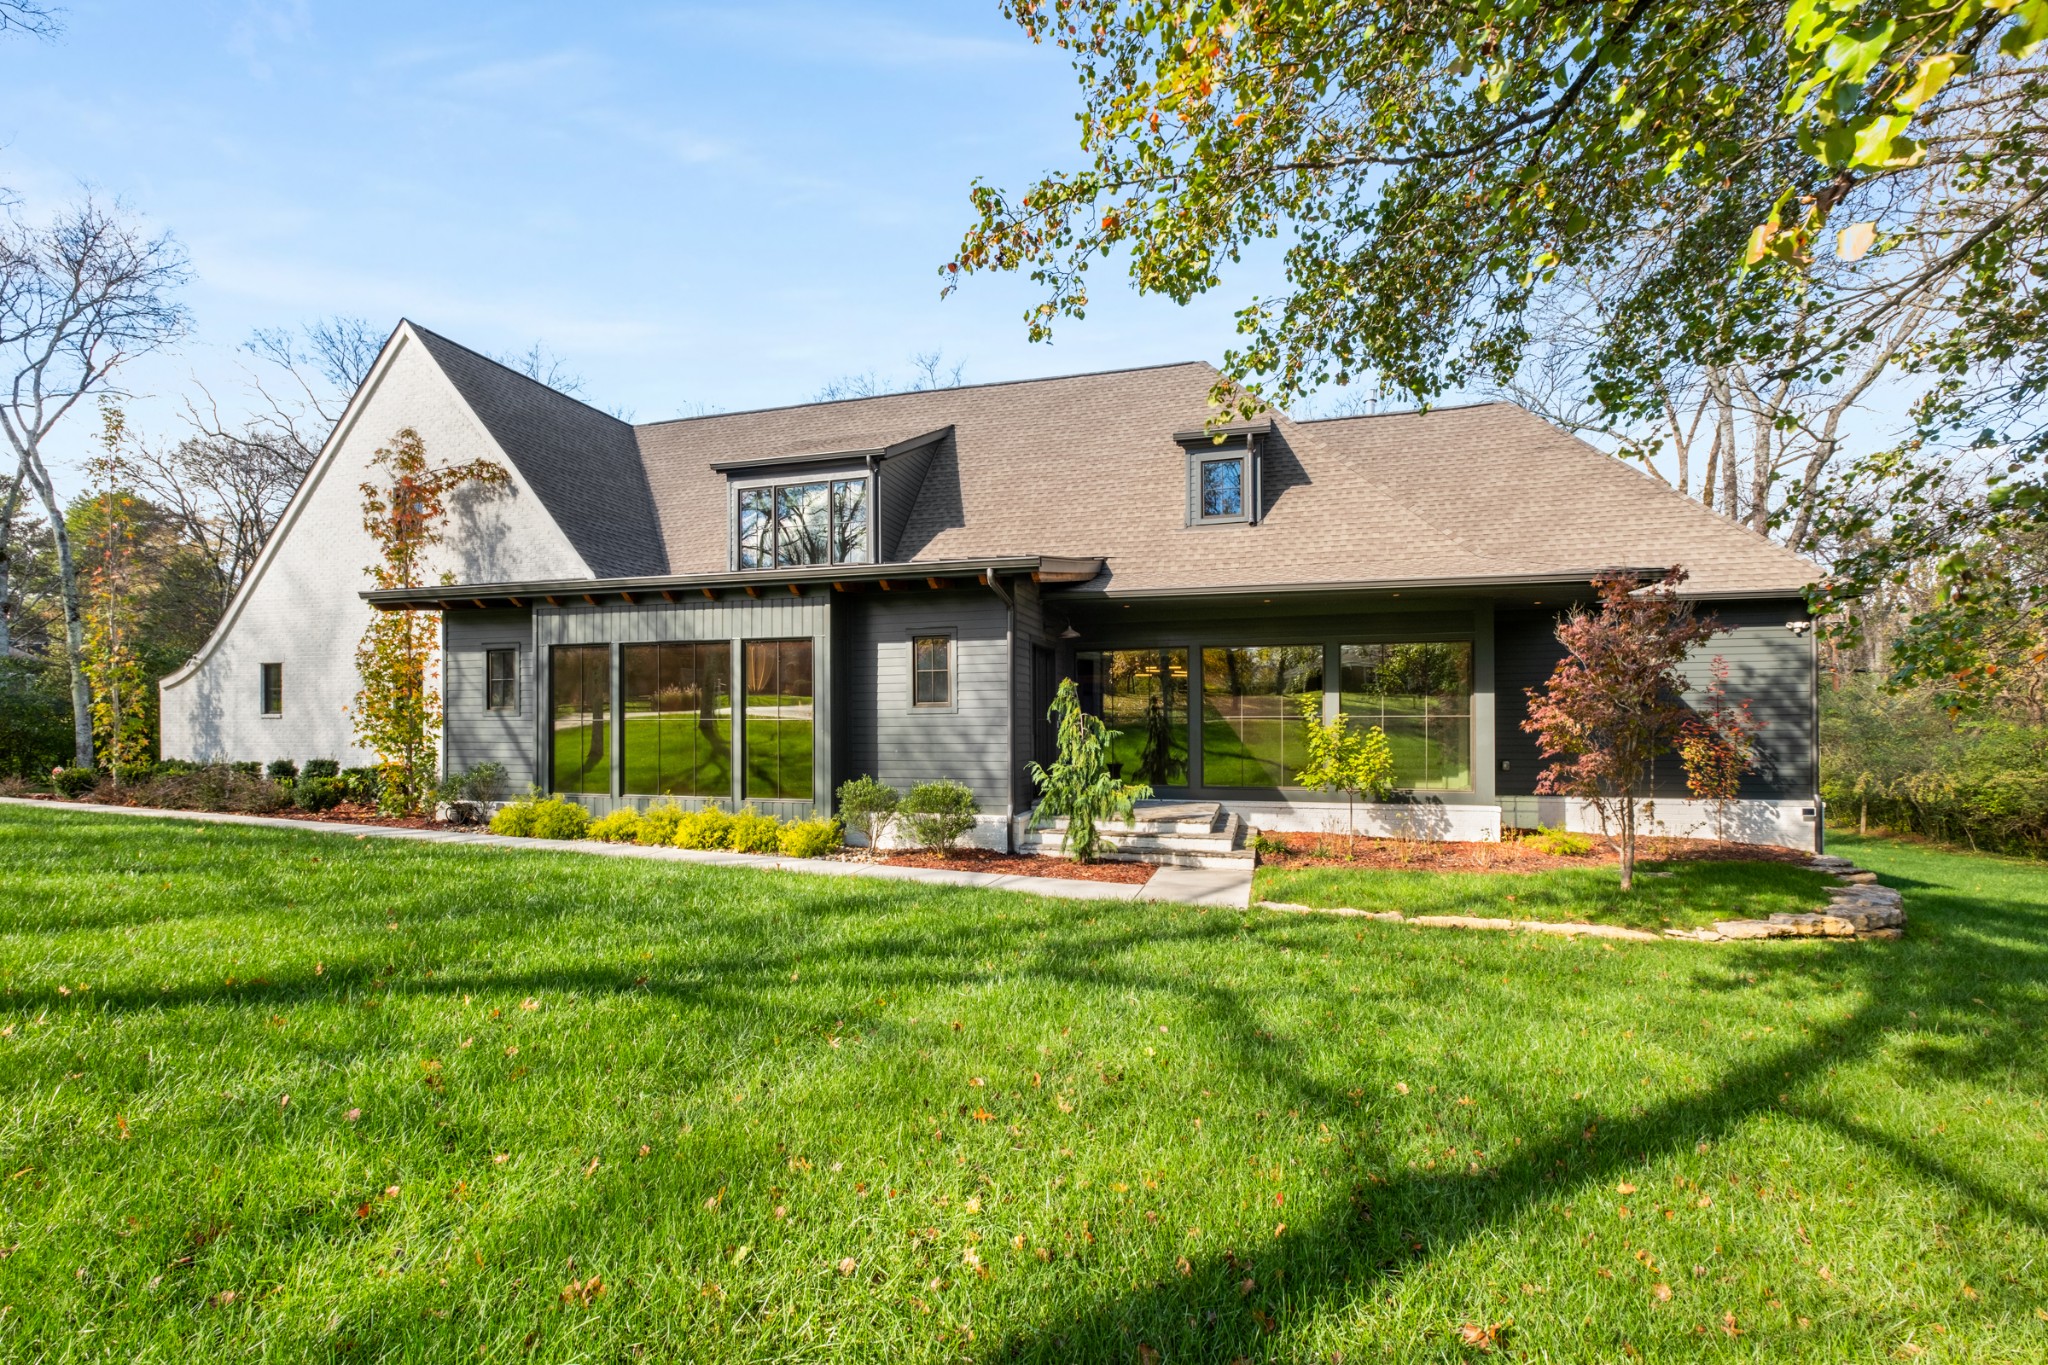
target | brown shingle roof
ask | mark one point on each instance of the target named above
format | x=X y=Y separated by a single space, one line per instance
x=1087 y=466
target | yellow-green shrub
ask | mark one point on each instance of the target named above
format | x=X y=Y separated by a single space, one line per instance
x=1559 y=843
x=706 y=828
x=620 y=827
x=533 y=818
x=658 y=824
x=753 y=832
x=810 y=838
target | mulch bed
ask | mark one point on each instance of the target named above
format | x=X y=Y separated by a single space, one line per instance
x=1023 y=865
x=1419 y=855
x=346 y=813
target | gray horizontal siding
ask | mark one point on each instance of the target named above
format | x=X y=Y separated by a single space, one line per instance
x=1768 y=666
x=470 y=733
x=883 y=735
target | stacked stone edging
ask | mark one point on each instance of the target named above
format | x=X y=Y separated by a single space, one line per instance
x=1857 y=908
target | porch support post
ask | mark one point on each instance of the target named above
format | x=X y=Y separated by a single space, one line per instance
x=1009 y=601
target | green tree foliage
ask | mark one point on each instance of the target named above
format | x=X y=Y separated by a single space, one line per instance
x=121 y=692
x=397 y=710
x=1896 y=760
x=1440 y=175
x=868 y=806
x=1081 y=784
x=1341 y=759
x=1611 y=706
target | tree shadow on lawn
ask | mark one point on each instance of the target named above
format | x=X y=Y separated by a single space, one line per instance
x=1962 y=949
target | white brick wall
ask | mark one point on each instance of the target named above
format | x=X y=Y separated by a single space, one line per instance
x=300 y=606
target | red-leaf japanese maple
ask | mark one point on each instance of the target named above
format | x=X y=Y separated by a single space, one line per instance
x=1612 y=705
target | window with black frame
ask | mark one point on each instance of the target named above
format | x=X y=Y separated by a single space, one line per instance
x=677 y=718
x=819 y=521
x=501 y=679
x=1420 y=694
x=580 y=703
x=1252 y=730
x=780 y=719
x=1141 y=696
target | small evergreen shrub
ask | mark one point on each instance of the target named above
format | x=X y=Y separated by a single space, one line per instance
x=938 y=813
x=620 y=827
x=658 y=824
x=812 y=838
x=281 y=770
x=171 y=767
x=753 y=832
x=250 y=768
x=868 y=806
x=319 y=767
x=74 y=782
x=1264 y=845
x=1560 y=843
x=316 y=793
x=536 y=817
x=559 y=819
x=706 y=828
x=361 y=786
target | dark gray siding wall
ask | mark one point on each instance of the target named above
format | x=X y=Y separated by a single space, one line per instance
x=1030 y=631
x=1767 y=665
x=883 y=734
x=774 y=616
x=470 y=734
x=897 y=484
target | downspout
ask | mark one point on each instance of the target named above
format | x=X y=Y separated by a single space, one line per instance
x=1009 y=602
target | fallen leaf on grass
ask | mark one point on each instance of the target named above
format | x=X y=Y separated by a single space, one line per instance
x=1480 y=1338
x=591 y=1169
x=1662 y=1293
x=848 y=1266
x=501 y=1158
x=529 y=1003
x=1728 y=1325
x=1624 y=1188
x=1146 y=1355
x=582 y=1293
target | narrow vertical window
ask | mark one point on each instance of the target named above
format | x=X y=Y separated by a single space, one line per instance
x=780 y=719
x=931 y=670
x=273 y=689
x=850 y=521
x=501 y=680
x=582 y=703
x=757 y=528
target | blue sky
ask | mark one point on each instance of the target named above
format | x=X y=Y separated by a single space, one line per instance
x=725 y=204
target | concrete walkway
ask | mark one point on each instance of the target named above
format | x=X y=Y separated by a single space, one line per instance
x=1229 y=887
x=1067 y=888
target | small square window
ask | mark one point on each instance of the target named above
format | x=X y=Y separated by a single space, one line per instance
x=273 y=689
x=501 y=680
x=931 y=670
x=1222 y=491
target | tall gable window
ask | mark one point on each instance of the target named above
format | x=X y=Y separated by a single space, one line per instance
x=822 y=521
x=271 y=692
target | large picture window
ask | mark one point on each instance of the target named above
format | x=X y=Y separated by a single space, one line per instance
x=1252 y=735
x=780 y=719
x=580 y=701
x=678 y=719
x=1142 y=697
x=819 y=522
x=1421 y=695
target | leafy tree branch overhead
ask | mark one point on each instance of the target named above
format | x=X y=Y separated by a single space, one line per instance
x=1432 y=167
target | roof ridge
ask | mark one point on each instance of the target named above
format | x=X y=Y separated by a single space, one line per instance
x=515 y=373
x=1410 y=412
x=912 y=393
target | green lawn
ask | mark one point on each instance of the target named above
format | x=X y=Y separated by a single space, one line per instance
x=1036 y=1129
x=1678 y=895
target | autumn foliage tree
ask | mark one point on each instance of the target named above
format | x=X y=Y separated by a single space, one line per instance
x=397 y=710
x=1612 y=705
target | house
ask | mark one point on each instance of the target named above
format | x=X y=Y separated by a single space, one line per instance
x=754 y=606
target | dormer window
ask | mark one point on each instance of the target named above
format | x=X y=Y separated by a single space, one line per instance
x=1223 y=474
x=818 y=521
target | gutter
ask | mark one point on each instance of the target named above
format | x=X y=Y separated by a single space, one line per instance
x=1009 y=601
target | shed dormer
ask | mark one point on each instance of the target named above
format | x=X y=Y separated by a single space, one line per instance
x=844 y=502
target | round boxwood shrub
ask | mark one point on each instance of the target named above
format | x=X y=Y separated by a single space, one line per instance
x=810 y=838
x=321 y=767
x=620 y=827
x=316 y=793
x=281 y=770
x=753 y=832
x=706 y=828
x=74 y=782
x=938 y=813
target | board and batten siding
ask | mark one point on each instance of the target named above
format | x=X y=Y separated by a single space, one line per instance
x=884 y=735
x=734 y=620
x=1768 y=665
x=470 y=732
